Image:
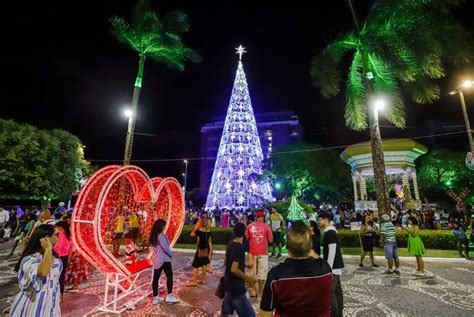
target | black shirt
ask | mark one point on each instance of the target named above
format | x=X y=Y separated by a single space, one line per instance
x=298 y=287
x=233 y=284
x=316 y=243
x=204 y=238
x=330 y=237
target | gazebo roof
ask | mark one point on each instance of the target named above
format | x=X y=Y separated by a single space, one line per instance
x=389 y=145
x=398 y=153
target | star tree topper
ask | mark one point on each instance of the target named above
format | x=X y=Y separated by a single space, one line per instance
x=240 y=51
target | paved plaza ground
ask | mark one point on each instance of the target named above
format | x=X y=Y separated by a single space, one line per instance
x=447 y=290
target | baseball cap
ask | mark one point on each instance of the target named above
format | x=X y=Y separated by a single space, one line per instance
x=260 y=214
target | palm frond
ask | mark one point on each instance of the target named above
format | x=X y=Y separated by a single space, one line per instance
x=124 y=33
x=395 y=112
x=341 y=45
x=153 y=39
x=355 y=110
x=326 y=75
x=386 y=84
x=422 y=90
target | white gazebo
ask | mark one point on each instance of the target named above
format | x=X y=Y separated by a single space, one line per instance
x=400 y=156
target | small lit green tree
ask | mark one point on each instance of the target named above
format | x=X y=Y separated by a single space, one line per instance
x=156 y=39
x=400 y=45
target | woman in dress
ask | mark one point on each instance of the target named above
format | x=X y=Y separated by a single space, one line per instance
x=38 y=276
x=366 y=233
x=203 y=255
x=225 y=219
x=78 y=270
x=415 y=244
x=63 y=249
x=161 y=262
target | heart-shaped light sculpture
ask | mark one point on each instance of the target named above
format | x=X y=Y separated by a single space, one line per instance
x=119 y=188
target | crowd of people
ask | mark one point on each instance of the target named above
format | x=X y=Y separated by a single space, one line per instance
x=307 y=282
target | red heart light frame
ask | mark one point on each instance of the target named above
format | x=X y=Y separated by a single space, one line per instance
x=112 y=188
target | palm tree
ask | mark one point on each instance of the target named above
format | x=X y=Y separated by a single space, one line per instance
x=156 y=39
x=401 y=45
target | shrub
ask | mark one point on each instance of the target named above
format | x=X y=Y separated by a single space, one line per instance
x=432 y=239
x=219 y=235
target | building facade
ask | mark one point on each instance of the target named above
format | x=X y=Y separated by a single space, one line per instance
x=274 y=129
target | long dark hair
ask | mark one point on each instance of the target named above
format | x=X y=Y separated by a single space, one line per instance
x=34 y=243
x=66 y=228
x=314 y=225
x=157 y=228
x=413 y=220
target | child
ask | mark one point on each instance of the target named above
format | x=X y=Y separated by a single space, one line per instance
x=130 y=250
x=161 y=261
x=460 y=234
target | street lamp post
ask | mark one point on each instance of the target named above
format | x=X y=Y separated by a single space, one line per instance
x=467 y=84
x=127 y=156
x=185 y=177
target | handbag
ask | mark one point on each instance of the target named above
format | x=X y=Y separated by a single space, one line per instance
x=220 y=289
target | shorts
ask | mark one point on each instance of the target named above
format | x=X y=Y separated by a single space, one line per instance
x=391 y=252
x=133 y=233
x=276 y=237
x=117 y=236
x=260 y=266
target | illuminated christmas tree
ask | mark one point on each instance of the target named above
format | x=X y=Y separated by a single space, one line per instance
x=296 y=211
x=235 y=181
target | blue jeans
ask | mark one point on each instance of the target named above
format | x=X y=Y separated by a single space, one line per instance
x=391 y=252
x=240 y=304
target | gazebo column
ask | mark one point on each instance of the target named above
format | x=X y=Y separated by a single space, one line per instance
x=415 y=185
x=406 y=182
x=363 y=188
x=354 y=184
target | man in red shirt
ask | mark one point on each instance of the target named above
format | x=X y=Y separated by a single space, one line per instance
x=259 y=234
x=300 y=286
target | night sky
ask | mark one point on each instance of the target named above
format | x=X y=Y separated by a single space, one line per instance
x=61 y=68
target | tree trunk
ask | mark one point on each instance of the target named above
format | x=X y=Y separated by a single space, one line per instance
x=378 y=160
x=127 y=157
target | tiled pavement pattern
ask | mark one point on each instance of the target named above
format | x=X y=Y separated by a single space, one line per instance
x=447 y=290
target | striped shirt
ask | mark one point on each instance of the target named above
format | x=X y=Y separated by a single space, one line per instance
x=38 y=296
x=388 y=231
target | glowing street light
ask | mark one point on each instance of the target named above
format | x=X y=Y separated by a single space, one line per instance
x=467 y=84
x=128 y=113
x=380 y=104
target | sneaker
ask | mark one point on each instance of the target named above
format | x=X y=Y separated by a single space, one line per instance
x=157 y=300
x=170 y=299
x=278 y=256
x=388 y=272
x=397 y=272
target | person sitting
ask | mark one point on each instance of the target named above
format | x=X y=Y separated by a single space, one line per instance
x=130 y=250
x=300 y=286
